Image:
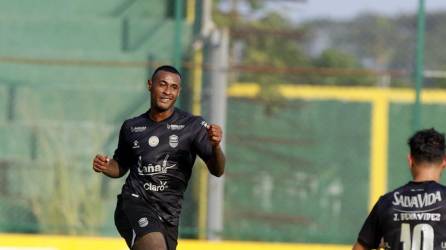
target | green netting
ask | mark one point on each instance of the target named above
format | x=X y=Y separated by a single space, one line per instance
x=154 y=37
x=71 y=72
x=153 y=44
x=298 y=172
x=79 y=104
x=15 y=142
x=74 y=142
x=61 y=34
x=64 y=198
x=400 y=129
x=150 y=9
x=52 y=187
x=62 y=8
x=86 y=8
x=75 y=76
x=15 y=215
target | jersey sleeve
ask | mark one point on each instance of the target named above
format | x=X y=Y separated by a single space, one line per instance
x=371 y=233
x=201 y=143
x=122 y=153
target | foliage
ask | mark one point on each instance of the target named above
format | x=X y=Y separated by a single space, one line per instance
x=378 y=43
x=68 y=199
x=276 y=51
x=346 y=65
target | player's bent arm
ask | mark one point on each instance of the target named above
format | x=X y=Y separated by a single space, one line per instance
x=358 y=246
x=216 y=164
x=107 y=166
x=114 y=170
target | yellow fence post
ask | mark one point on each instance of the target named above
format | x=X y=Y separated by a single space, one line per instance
x=378 y=148
x=190 y=11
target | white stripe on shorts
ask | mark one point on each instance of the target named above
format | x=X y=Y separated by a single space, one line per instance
x=133 y=238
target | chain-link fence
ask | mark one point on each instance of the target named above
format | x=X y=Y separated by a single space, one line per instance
x=318 y=112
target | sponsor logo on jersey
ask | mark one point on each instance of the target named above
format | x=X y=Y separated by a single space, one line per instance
x=138 y=129
x=173 y=141
x=175 y=126
x=155 y=168
x=135 y=144
x=205 y=124
x=417 y=201
x=155 y=187
x=153 y=141
x=143 y=222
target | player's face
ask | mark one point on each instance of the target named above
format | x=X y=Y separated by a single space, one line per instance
x=164 y=90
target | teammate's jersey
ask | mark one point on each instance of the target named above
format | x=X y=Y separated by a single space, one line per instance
x=412 y=217
x=160 y=156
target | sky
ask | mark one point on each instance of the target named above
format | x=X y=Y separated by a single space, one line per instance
x=347 y=9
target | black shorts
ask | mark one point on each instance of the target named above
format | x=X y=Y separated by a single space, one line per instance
x=134 y=218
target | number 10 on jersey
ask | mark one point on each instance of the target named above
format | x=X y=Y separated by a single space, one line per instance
x=412 y=241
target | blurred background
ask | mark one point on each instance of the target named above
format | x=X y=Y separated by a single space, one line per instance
x=316 y=99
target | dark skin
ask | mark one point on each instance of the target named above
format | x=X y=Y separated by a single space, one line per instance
x=164 y=90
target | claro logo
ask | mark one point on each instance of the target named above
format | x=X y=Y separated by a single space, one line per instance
x=156 y=187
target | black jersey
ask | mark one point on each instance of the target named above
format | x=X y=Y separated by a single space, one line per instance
x=412 y=217
x=160 y=156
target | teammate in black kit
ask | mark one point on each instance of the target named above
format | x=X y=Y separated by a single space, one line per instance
x=159 y=148
x=412 y=217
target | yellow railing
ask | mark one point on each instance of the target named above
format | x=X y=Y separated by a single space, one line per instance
x=47 y=242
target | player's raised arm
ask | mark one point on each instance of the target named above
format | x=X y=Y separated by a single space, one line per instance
x=107 y=166
x=216 y=164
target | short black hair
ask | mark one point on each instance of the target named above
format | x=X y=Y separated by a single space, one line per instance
x=427 y=146
x=167 y=68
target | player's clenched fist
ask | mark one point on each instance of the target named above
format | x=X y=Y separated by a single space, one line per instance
x=215 y=134
x=100 y=163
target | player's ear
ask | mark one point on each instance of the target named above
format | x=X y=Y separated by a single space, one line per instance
x=409 y=161
x=149 y=85
x=443 y=163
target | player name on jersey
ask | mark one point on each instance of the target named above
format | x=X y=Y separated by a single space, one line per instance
x=416 y=201
x=417 y=216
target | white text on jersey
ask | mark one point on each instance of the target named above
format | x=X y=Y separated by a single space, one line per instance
x=154 y=169
x=418 y=201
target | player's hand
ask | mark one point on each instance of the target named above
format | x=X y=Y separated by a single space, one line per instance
x=101 y=163
x=215 y=134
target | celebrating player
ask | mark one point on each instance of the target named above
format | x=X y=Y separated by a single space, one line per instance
x=412 y=217
x=159 y=148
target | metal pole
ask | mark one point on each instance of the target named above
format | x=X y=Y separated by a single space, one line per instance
x=207 y=25
x=217 y=57
x=419 y=71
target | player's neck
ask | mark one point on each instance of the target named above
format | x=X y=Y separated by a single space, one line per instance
x=423 y=179
x=158 y=115
x=426 y=174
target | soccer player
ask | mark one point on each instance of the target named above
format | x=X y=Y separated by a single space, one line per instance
x=413 y=216
x=159 y=148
